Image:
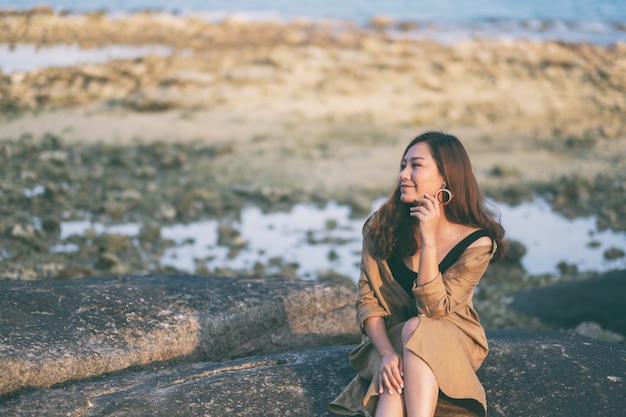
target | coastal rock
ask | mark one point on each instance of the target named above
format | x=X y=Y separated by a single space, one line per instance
x=595 y=331
x=613 y=253
x=57 y=331
x=599 y=299
x=553 y=373
x=526 y=373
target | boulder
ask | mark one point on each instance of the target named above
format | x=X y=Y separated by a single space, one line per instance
x=57 y=331
x=530 y=373
x=525 y=374
x=599 y=299
x=176 y=345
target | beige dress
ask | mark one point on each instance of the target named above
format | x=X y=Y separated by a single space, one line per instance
x=449 y=338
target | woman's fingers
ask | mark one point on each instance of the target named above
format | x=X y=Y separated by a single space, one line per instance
x=390 y=377
x=396 y=380
x=383 y=382
x=390 y=381
x=425 y=208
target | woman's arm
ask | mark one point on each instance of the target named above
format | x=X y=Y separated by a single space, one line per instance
x=434 y=297
x=440 y=297
x=427 y=212
x=391 y=365
x=367 y=303
x=371 y=318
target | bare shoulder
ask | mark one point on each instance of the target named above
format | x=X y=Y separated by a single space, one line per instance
x=481 y=241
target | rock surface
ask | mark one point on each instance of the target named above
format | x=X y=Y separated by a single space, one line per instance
x=56 y=331
x=526 y=374
x=553 y=374
x=174 y=345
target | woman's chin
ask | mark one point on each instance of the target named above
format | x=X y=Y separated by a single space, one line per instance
x=407 y=199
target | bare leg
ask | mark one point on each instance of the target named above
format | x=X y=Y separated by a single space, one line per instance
x=390 y=405
x=421 y=389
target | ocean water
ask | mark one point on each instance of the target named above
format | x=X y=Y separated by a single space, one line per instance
x=449 y=10
x=596 y=21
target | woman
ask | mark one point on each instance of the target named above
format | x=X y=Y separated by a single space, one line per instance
x=424 y=252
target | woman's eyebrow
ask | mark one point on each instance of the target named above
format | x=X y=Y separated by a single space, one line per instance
x=415 y=157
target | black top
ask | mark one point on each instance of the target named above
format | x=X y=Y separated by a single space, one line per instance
x=406 y=277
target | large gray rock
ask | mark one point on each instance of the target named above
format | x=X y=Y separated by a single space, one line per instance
x=553 y=374
x=175 y=346
x=526 y=374
x=599 y=299
x=57 y=331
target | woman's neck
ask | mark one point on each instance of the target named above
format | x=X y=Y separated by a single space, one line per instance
x=444 y=228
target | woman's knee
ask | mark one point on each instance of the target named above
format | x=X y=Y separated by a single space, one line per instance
x=409 y=327
x=390 y=405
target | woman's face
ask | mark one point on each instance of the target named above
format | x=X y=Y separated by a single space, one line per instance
x=419 y=174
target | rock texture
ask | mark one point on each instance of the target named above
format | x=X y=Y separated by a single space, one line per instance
x=175 y=345
x=553 y=374
x=526 y=374
x=57 y=331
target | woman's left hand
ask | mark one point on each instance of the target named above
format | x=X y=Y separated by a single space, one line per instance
x=427 y=211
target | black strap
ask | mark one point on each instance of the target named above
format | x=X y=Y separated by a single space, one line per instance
x=402 y=274
x=406 y=276
x=460 y=247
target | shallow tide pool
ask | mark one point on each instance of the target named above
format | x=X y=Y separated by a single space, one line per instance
x=26 y=57
x=323 y=239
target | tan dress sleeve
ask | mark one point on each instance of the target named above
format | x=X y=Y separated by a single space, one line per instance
x=367 y=302
x=445 y=295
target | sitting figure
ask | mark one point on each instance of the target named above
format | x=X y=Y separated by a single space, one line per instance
x=424 y=252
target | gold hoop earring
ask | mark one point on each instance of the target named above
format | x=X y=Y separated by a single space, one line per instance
x=444 y=201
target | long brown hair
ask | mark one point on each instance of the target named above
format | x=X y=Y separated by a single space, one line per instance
x=390 y=228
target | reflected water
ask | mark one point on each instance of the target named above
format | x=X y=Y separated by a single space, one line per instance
x=323 y=239
x=27 y=57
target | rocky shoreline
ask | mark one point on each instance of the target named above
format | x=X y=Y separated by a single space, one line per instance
x=169 y=345
x=274 y=114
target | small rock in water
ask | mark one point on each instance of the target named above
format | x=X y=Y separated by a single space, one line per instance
x=566 y=268
x=51 y=225
x=111 y=242
x=107 y=261
x=613 y=253
x=26 y=232
x=150 y=233
x=381 y=22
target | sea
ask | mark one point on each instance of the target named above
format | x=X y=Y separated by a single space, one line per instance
x=593 y=21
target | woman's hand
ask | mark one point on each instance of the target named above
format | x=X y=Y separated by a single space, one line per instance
x=391 y=366
x=391 y=373
x=427 y=210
